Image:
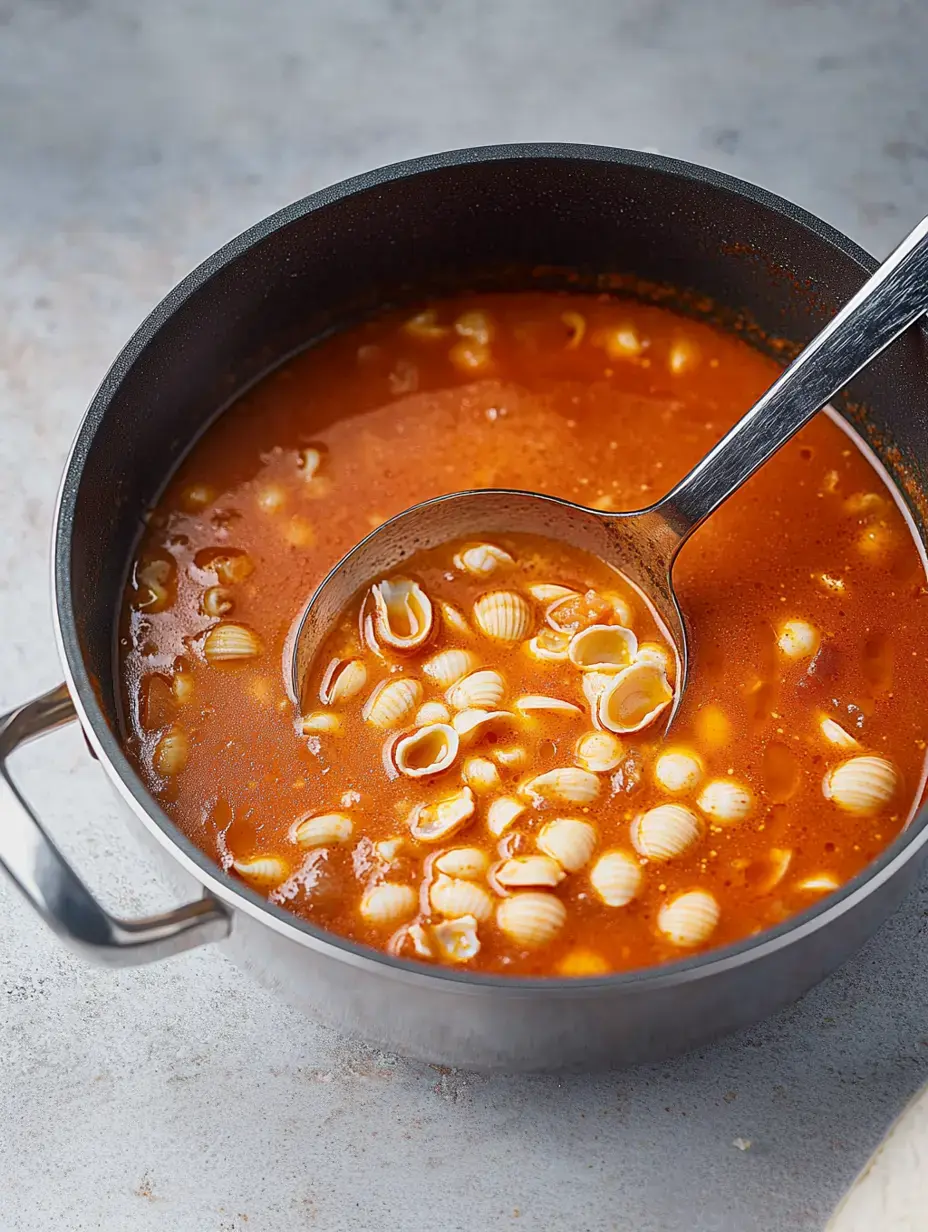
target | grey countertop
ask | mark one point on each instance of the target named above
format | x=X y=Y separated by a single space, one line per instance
x=134 y=139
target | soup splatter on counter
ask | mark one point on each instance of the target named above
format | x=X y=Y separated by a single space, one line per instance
x=475 y=773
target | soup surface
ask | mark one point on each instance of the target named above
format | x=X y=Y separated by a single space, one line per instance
x=797 y=757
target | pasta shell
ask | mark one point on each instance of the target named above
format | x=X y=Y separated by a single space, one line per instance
x=438 y=820
x=549 y=646
x=689 y=919
x=467 y=862
x=598 y=751
x=261 y=870
x=656 y=655
x=388 y=903
x=182 y=688
x=229 y=643
x=594 y=685
x=430 y=750
x=678 y=771
x=819 y=883
x=532 y=870
x=455 y=620
x=455 y=896
x=217 y=601
x=457 y=939
x=863 y=785
x=472 y=724
x=835 y=734
x=569 y=841
x=320 y=722
x=635 y=698
x=603 y=648
x=546 y=594
x=481 y=690
x=432 y=712
x=531 y=918
x=172 y=752
x=621 y=608
x=342 y=680
x=535 y=702
x=511 y=757
x=414 y=936
x=482 y=559
x=388 y=849
x=726 y=801
x=503 y=615
x=616 y=877
x=448 y=666
x=392 y=702
x=797 y=639
x=566 y=785
x=424 y=325
x=403 y=616
x=476 y=325
x=779 y=861
x=481 y=775
x=323 y=829
x=503 y=811
x=665 y=832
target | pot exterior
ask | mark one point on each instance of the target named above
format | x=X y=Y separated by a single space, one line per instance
x=579 y=1026
x=502 y=217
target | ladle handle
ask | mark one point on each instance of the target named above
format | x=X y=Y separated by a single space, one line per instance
x=889 y=301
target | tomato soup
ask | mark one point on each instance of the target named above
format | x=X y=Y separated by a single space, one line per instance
x=476 y=772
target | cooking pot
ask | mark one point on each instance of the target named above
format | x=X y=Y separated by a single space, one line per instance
x=500 y=217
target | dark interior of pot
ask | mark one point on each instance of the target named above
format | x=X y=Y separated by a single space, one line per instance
x=505 y=218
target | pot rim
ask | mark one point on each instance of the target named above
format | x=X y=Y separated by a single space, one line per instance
x=119 y=769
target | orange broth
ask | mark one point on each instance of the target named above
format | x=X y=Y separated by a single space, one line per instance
x=601 y=401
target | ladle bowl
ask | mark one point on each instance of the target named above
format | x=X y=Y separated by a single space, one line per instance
x=643 y=544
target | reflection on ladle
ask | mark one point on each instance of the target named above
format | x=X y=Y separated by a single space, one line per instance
x=644 y=544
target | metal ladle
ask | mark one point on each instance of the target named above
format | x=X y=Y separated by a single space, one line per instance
x=643 y=544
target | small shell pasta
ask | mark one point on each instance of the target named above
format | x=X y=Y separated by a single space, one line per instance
x=616 y=878
x=531 y=918
x=343 y=679
x=598 y=752
x=403 y=615
x=566 y=785
x=634 y=699
x=862 y=785
x=457 y=939
x=665 y=832
x=228 y=642
x=427 y=751
x=322 y=830
x=172 y=752
x=503 y=811
x=481 y=775
x=261 y=871
x=797 y=639
x=690 y=919
x=392 y=702
x=448 y=666
x=440 y=819
x=726 y=801
x=481 y=690
x=457 y=896
x=678 y=771
x=568 y=840
x=482 y=559
x=531 y=870
x=388 y=903
x=537 y=703
x=467 y=862
x=603 y=648
x=504 y=615
x=321 y=722
x=432 y=712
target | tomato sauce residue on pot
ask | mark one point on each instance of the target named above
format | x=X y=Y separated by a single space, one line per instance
x=475 y=773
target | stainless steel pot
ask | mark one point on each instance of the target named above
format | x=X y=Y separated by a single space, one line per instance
x=488 y=218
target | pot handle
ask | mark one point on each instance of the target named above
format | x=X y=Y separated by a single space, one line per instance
x=53 y=888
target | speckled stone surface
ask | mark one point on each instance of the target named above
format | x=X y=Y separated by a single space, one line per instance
x=134 y=139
